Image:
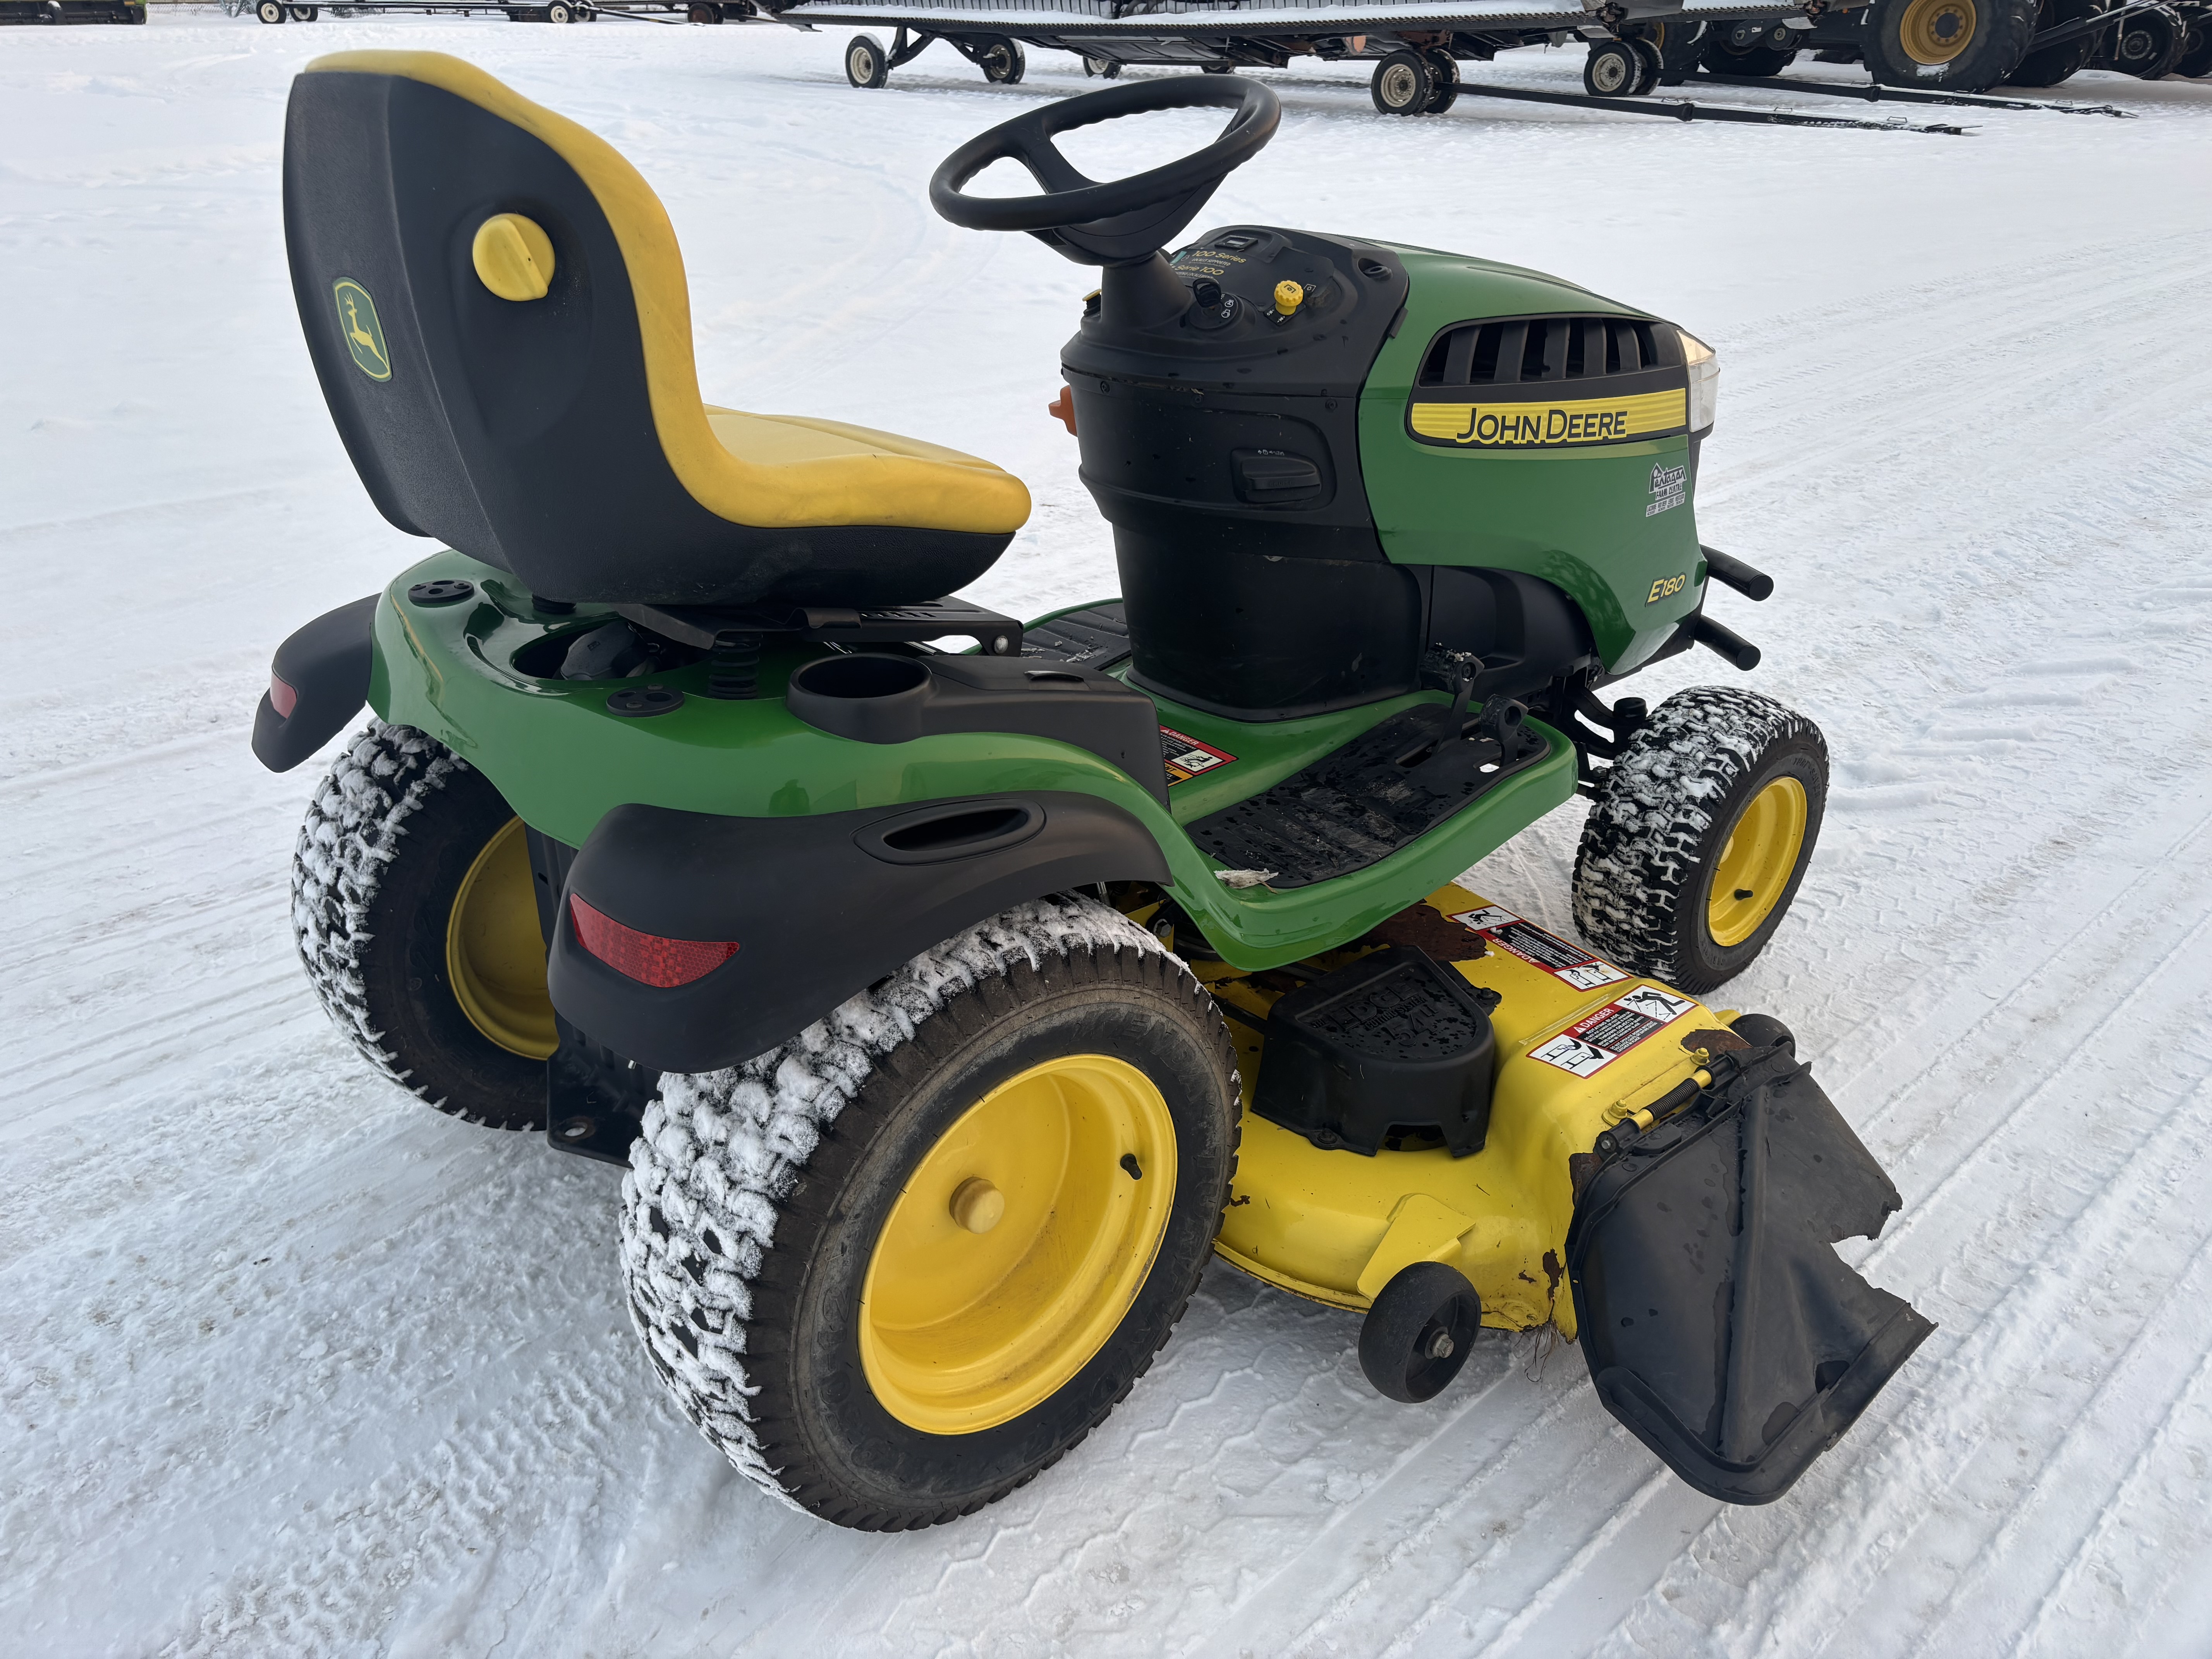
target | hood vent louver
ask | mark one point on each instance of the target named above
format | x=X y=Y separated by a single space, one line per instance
x=1534 y=351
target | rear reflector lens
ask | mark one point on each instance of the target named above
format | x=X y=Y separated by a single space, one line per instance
x=648 y=958
x=282 y=698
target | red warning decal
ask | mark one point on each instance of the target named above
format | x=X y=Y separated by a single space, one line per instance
x=1186 y=757
x=1595 y=1041
x=1524 y=939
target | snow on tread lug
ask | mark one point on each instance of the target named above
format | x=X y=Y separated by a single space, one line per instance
x=721 y=1167
x=358 y=824
x=1661 y=816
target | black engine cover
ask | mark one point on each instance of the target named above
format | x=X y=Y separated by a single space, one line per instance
x=1223 y=445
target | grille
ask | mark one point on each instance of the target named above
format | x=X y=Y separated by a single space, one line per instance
x=1527 y=351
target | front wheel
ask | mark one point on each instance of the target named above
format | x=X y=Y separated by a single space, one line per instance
x=1699 y=836
x=415 y=911
x=867 y=64
x=897 y=1266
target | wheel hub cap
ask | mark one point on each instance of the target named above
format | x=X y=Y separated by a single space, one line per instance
x=1754 y=867
x=1937 y=31
x=495 y=949
x=1017 y=1245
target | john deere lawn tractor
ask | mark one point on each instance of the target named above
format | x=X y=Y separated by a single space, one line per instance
x=953 y=987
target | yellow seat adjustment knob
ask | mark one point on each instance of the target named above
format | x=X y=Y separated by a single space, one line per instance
x=977 y=1205
x=1289 y=296
x=513 y=257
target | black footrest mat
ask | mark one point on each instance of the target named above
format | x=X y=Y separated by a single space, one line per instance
x=1358 y=806
x=1097 y=638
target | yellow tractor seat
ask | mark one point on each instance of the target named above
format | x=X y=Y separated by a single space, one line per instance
x=497 y=310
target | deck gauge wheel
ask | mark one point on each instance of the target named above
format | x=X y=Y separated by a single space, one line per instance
x=1614 y=68
x=867 y=64
x=1002 y=62
x=1403 y=84
x=1419 y=1331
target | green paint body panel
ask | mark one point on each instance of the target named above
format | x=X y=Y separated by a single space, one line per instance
x=563 y=761
x=1574 y=517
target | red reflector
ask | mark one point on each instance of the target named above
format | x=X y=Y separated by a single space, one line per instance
x=647 y=957
x=282 y=698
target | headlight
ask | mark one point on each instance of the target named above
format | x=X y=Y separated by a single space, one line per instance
x=1704 y=380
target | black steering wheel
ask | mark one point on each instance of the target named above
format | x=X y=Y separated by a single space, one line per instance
x=1128 y=218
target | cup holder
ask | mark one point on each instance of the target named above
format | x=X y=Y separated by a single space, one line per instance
x=857 y=677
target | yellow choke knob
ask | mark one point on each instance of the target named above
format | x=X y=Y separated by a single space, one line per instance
x=1289 y=296
x=977 y=1205
x=513 y=257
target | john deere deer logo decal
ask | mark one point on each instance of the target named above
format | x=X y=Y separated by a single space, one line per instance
x=364 y=335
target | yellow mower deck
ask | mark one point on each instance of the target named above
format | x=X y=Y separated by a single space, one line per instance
x=1336 y=1226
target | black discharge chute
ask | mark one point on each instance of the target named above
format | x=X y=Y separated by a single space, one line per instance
x=1719 y=1324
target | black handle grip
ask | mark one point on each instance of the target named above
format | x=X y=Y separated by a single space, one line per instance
x=1735 y=573
x=1740 y=652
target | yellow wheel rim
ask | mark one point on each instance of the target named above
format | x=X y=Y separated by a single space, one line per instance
x=495 y=949
x=1937 y=31
x=1017 y=1245
x=1753 y=870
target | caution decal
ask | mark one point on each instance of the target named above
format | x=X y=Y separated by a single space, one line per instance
x=1186 y=757
x=1550 y=426
x=1595 y=1041
x=1539 y=949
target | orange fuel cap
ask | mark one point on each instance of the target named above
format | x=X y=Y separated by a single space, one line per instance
x=1062 y=409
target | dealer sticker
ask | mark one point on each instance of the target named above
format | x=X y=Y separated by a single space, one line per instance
x=1186 y=757
x=1570 y=963
x=1595 y=1041
x=1670 y=489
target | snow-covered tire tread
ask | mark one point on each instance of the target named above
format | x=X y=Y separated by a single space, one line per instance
x=719 y=1162
x=1638 y=863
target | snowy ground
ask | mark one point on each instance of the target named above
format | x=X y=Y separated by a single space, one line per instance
x=291 y=1365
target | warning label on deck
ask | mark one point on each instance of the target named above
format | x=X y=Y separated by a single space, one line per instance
x=1595 y=1041
x=1186 y=757
x=1570 y=962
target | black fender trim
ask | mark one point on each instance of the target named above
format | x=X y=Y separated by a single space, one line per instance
x=820 y=907
x=326 y=664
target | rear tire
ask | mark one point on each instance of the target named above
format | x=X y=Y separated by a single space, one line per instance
x=756 y=1217
x=1710 y=767
x=1965 y=46
x=1403 y=84
x=400 y=828
x=868 y=65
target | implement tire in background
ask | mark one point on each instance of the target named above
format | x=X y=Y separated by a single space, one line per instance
x=1962 y=46
x=1403 y=84
x=868 y=65
x=1771 y=51
x=2147 y=45
x=2052 y=64
x=1002 y=62
x=894 y=1268
x=404 y=845
x=1699 y=836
